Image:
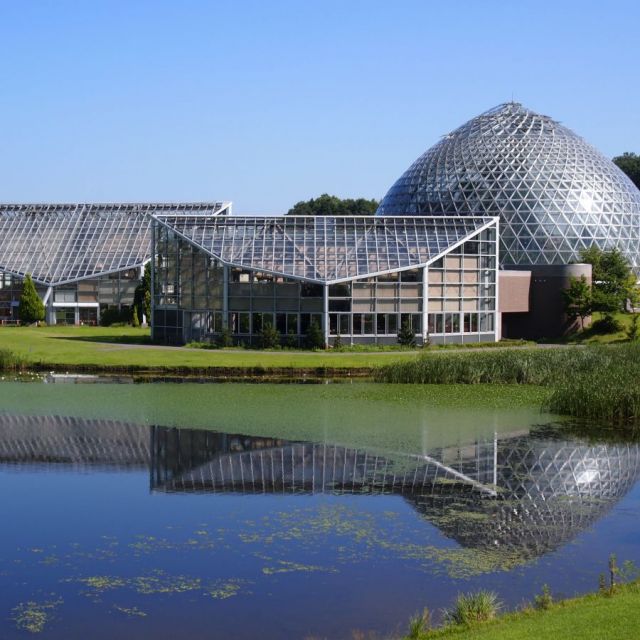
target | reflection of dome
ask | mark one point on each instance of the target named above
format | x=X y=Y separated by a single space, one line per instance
x=554 y=192
x=548 y=491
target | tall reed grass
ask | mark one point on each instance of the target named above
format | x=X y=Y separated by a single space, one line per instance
x=10 y=361
x=600 y=382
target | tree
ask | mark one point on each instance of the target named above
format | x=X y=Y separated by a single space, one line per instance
x=327 y=205
x=406 y=337
x=314 y=338
x=578 y=299
x=630 y=164
x=142 y=294
x=31 y=308
x=613 y=280
x=134 y=317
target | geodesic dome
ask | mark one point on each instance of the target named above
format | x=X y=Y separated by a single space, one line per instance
x=555 y=194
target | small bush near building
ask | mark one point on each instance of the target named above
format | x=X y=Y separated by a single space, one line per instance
x=291 y=341
x=269 y=337
x=606 y=325
x=113 y=316
x=633 y=330
x=225 y=339
x=314 y=339
x=31 y=308
x=406 y=337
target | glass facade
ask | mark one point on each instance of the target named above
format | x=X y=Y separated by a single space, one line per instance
x=555 y=194
x=450 y=297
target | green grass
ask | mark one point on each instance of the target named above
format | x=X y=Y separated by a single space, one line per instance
x=588 y=336
x=590 y=617
x=104 y=347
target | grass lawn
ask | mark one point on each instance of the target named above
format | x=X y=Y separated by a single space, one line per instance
x=131 y=347
x=589 y=337
x=591 y=617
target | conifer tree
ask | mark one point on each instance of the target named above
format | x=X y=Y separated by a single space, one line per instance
x=31 y=308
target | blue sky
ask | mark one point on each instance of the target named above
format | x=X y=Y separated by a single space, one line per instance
x=266 y=103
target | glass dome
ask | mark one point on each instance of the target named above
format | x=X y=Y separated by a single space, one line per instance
x=555 y=194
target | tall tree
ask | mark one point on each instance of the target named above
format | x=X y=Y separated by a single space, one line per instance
x=326 y=205
x=630 y=164
x=31 y=308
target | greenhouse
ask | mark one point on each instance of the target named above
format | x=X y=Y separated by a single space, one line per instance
x=83 y=258
x=357 y=278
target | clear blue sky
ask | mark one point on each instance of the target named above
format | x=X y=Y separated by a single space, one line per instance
x=266 y=103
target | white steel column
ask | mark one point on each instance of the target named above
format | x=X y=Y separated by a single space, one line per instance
x=225 y=297
x=425 y=303
x=325 y=313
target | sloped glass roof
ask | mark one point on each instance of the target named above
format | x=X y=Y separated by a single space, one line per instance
x=555 y=194
x=63 y=243
x=325 y=249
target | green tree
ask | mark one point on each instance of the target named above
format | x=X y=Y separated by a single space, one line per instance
x=31 y=308
x=613 y=280
x=314 y=338
x=134 y=317
x=269 y=336
x=225 y=339
x=578 y=299
x=142 y=294
x=633 y=330
x=630 y=164
x=406 y=336
x=326 y=205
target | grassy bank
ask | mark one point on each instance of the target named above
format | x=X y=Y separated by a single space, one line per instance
x=595 y=382
x=129 y=348
x=592 y=617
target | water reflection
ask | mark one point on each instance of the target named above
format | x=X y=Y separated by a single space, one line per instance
x=523 y=493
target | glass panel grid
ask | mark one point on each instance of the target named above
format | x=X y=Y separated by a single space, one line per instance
x=59 y=243
x=324 y=249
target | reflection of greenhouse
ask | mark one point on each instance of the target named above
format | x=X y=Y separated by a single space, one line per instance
x=522 y=494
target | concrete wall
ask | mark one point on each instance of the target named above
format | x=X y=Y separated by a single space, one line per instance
x=546 y=317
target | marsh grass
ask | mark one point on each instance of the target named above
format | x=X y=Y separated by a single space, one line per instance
x=10 y=361
x=591 y=383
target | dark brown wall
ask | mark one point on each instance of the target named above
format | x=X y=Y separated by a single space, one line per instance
x=546 y=317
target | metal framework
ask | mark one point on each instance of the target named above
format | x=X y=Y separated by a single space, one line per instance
x=62 y=243
x=326 y=249
x=555 y=194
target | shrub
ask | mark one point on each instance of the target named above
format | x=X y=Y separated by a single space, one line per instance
x=225 y=339
x=134 y=318
x=269 y=337
x=31 y=308
x=314 y=338
x=471 y=608
x=291 y=341
x=112 y=315
x=606 y=325
x=406 y=337
x=337 y=343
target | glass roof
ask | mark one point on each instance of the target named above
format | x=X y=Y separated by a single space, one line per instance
x=555 y=194
x=325 y=249
x=61 y=243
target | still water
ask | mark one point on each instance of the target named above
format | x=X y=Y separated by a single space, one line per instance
x=243 y=511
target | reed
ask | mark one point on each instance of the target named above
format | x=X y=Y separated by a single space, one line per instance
x=593 y=383
x=10 y=361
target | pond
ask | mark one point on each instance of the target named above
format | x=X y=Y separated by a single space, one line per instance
x=292 y=511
